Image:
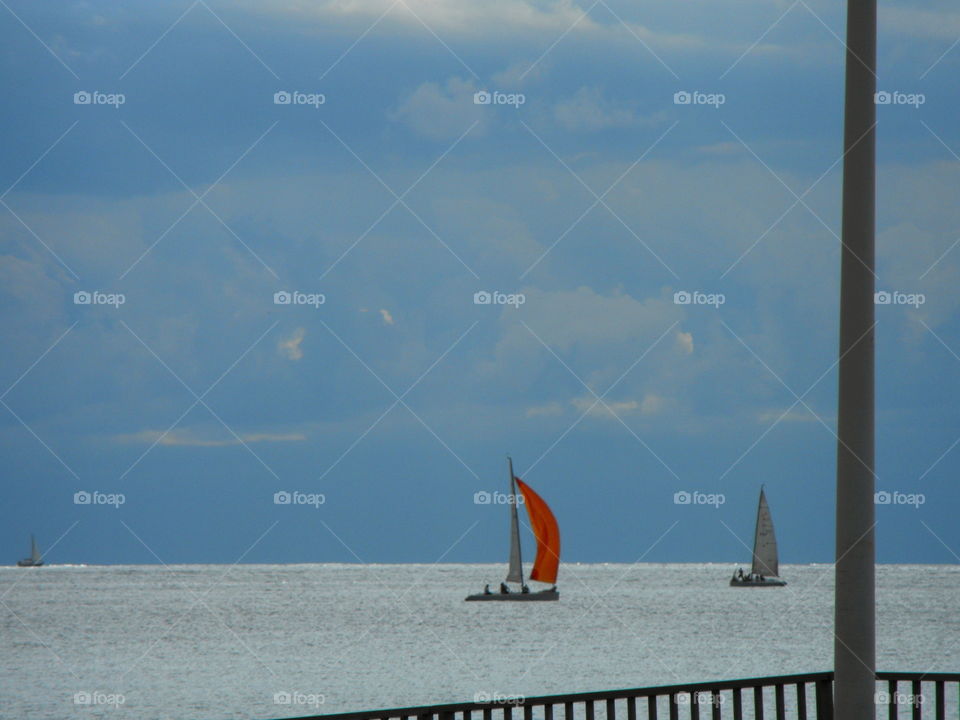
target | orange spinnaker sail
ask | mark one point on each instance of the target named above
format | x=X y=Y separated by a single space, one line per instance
x=547 y=533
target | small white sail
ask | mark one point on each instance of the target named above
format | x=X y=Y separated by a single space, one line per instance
x=515 y=570
x=765 y=542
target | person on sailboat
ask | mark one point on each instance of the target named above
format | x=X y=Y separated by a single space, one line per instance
x=504 y=590
x=525 y=589
x=486 y=589
x=739 y=573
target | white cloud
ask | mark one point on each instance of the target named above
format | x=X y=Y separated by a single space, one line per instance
x=387 y=317
x=290 y=347
x=649 y=405
x=553 y=408
x=441 y=113
x=188 y=438
x=588 y=111
x=685 y=342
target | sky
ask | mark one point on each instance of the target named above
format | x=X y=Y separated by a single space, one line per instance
x=585 y=167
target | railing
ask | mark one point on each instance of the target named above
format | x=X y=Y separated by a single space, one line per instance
x=804 y=697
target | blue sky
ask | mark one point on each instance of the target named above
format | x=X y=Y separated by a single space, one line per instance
x=397 y=199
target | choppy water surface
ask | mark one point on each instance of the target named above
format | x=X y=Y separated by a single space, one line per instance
x=210 y=641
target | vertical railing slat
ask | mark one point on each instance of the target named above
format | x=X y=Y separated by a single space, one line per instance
x=891 y=700
x=781 y=705
x=651 y=707
x=695 y=705
x=941 y=701
x=589 y=709
x=528 y=712
x=568 y=711
x=917 y=701
x=758 y=702
x=801 y=701
x=674 y=709
x=715 y=699
x=548 y=712
x=631 y=708
x=824 y=693
x=737 y=704
x=611 y=709
x=487 y=713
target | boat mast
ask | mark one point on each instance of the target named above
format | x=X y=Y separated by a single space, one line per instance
x=515 y=573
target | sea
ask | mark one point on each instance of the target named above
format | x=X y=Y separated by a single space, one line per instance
x=275 y=641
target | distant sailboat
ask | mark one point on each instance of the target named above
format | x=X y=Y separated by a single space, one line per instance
x=766 y=567
x=35 y=559
x=547 y=533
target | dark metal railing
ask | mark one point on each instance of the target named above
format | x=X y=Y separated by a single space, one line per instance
x=804 y=697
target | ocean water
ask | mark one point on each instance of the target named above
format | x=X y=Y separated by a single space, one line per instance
x=214 y=642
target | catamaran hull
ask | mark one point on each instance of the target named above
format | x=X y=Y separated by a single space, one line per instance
x=767 y=582
x=29 y=563
x=515 y=597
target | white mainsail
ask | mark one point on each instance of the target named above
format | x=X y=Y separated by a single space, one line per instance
x=515 y=570
x=765 y=542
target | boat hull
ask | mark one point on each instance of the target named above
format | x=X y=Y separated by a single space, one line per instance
x=541 y=596
x=29 y=563
x=766 y=582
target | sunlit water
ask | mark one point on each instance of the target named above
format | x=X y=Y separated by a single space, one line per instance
x=220 y=642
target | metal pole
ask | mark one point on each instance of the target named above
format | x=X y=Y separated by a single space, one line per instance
x=855 y=621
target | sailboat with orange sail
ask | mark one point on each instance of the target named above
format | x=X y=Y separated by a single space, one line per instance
x=547 y=534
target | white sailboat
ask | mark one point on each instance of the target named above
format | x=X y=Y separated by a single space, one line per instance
x=35 y=559
x=547 y=534
x=765 y=570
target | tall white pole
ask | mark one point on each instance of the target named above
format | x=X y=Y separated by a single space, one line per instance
x=855 y=609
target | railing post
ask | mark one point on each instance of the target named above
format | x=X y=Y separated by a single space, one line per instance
x=891 y=699
x=652 y=707
x=737 y=704
x=941 y=702
x=802 y=701
x=781 y=705
x=758 y=702
x=917 y=691
x=824 y=699
x=716 y=699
